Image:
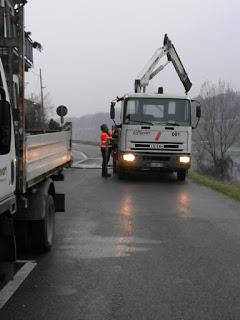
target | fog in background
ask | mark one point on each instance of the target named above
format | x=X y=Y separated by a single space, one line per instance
x=93 y=50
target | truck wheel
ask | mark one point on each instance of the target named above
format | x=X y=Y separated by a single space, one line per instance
x=21 y=233
x=42 y=231
x=181 y=175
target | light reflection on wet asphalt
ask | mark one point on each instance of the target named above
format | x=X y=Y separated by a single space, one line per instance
x=182 y=204
x=90 y=246
x=139 y=197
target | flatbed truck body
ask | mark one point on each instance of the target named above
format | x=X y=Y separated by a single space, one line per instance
x=30 y=163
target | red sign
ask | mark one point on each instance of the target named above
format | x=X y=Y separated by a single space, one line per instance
x=158 y=136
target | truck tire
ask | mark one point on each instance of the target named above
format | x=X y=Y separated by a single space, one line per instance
x=42 y=231
x=181 y=175
x=22 y=236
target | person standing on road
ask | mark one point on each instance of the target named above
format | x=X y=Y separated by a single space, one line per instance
x=105 y=137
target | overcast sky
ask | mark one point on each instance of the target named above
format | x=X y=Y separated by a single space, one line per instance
x=94 y=49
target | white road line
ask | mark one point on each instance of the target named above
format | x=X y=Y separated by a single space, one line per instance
x=81 y=164
x=81 y=153
x=87 y=166
x=13 y=285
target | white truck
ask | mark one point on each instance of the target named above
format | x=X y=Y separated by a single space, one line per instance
x=29 y=162
x=155 y=129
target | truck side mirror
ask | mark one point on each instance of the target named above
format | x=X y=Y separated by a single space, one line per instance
x=197 y=105
x=112 y=110
x=198 y=111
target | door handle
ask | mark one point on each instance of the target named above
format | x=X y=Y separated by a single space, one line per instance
x=12 y=171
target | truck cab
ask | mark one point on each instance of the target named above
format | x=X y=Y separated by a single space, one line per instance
x=7 y=150
x=154 y=134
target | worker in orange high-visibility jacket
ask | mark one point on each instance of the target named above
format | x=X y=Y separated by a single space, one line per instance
x=105 y=146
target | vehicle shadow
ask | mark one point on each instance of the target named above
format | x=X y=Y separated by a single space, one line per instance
x=7 y=271
x=145 y=177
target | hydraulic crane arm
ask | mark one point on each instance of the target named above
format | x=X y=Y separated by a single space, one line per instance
x=149 y=71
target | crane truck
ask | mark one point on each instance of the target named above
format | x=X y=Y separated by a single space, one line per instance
x=154 y=133
x=30 y=162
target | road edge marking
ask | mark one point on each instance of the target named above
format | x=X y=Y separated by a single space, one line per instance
x=12 y=286
x=82 y=154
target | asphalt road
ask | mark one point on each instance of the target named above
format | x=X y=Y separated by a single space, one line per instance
x=150 y=248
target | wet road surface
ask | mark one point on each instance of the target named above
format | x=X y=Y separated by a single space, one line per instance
x=147 y=248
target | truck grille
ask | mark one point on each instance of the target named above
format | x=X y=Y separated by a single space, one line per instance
x=164 y=146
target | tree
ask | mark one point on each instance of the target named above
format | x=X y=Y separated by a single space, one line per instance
x=33 y=115
x=39 y=119
x=219 y=127
x=54 y=125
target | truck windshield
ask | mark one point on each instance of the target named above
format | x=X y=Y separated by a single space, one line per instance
x=5 y=129
x=157 y=111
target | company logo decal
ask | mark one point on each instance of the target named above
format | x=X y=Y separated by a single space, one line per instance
x=141 y=133
x=3 y=172
x=158 y=136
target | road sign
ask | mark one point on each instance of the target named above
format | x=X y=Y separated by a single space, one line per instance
x=62 y=112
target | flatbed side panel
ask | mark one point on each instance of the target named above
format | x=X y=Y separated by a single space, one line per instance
x=45 y=152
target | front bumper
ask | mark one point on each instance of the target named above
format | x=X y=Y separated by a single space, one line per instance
x=8 y=204
x=154 y=162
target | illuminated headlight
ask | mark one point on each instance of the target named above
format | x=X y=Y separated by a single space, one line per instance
x=129 y=157
x=184 y=159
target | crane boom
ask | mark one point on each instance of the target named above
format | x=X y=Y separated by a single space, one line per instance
x=150 y=72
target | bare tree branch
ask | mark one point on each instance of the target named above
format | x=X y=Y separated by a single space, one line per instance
x=219 y=127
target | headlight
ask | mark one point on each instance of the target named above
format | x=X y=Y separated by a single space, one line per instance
x=129 y=157
x=184 y=159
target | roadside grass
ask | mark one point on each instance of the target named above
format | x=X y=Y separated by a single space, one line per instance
x=229 y=188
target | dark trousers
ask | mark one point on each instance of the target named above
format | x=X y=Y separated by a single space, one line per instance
x=105 y=159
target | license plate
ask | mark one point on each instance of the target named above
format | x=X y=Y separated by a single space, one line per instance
x=156 y=164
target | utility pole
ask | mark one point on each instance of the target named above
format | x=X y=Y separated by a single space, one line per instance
x=21 y=71
x=41 y=89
